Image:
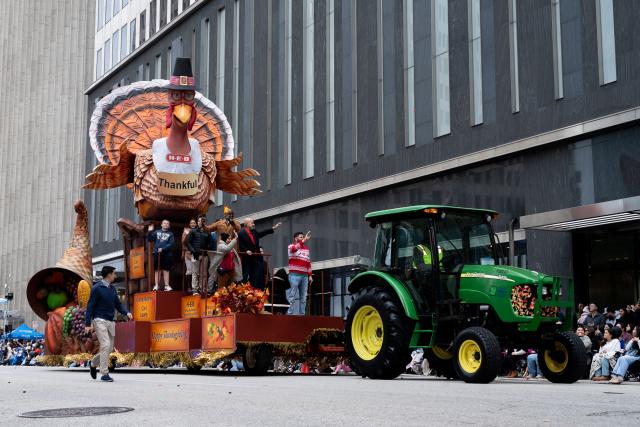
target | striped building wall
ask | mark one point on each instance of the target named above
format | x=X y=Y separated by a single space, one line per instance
x=46 y=52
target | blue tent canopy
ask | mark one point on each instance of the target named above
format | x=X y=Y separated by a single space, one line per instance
x=23 y=332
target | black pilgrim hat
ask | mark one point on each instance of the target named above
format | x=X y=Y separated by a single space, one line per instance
x=182 y=76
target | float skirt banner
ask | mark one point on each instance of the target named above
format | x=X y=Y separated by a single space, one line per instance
x=170 y=336
x=136 y=263
x=219 y=333
x=144 y=306
x=191 y=306
x=177 y=184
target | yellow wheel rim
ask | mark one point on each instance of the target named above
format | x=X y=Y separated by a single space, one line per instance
x=470 y=356
x=441 y=353
x=367 y=332
x=557 y=366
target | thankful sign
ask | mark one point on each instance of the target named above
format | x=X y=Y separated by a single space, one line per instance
x=177 y=184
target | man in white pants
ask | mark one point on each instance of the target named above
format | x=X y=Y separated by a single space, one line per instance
x=103 y=301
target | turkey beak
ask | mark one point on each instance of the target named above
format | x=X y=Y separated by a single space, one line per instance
x=182 y=112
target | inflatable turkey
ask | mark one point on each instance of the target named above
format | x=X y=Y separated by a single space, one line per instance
x=168 y=143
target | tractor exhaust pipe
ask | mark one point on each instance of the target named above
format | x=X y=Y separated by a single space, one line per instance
x=512 y=249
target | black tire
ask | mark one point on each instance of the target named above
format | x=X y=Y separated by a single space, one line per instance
x=257 y=359
x=443 y=367
x=488 y=355
x=393 y=355
x=564 y=360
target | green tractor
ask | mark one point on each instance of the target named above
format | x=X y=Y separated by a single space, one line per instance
x=436 y=284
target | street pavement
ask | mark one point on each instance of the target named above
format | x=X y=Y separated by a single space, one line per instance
x=177 y=398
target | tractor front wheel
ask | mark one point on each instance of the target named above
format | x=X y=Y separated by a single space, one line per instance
x=377 y=334
x=564 y=359
x=477 y=354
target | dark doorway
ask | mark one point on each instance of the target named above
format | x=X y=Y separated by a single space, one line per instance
x=607 y=265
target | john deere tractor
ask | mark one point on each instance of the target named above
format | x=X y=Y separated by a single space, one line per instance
x=436 y=284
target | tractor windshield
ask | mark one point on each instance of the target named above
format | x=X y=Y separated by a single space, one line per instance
x=464 y=238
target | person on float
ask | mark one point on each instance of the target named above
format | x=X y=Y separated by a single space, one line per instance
x=252 y=260
x=186 y=255
x=226 y=225
x=226 y=263
x=300 y=274
x=164 y=241
x=198 y=244
x=103 y=302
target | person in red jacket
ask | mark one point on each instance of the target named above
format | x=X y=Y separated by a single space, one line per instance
x=300 y=274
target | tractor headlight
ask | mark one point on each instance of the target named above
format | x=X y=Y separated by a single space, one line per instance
x=545 y=291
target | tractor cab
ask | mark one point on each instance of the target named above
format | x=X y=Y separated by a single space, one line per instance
x=427 y=247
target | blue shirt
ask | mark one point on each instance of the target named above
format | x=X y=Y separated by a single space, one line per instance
x=103 y=302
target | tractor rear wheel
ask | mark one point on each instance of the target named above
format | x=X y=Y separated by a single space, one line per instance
x=377 y=334
x=564 y=359
x=257 y=359
x=442 y=361
x=477 y=355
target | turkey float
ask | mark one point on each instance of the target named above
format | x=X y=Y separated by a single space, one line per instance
x=168 y=143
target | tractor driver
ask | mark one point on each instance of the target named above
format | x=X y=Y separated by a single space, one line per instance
x=422 y=270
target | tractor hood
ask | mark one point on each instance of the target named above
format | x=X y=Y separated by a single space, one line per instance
x=502 y=273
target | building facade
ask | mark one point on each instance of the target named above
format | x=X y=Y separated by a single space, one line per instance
x=528 y=108
x=46 y=65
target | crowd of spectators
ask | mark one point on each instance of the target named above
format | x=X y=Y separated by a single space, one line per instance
x=20 y=352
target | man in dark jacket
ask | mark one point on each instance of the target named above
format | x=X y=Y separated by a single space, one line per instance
x=252 y=261
x=198 y=244
x=103 y=302
x=164 y=242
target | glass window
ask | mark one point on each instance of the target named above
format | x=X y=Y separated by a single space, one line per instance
x=288 y=82
x=116 y=7
x=123 y=41
x=132 y=35
x=440 y=64
x=380 y=57
x=556 y=37
x=236 y=66
x=606 y=41
x=108 y=11
x=220 y=67
x=158 y=67
x=331 y=88
x=308 y=91
x=174 y=8
x=513 y=57
x=116 y=47
x=382 y=251
x=463 y=239
x=163 y=13
x=99 y=14
x=169 y=62
x=153 y=13
x=409 y=75
x=147 y=71
x=143 y=27
x=107 y=55
x=220 y=58
x=99 y=70
x=124 y=3
x=475 y=62
x=204 y=55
